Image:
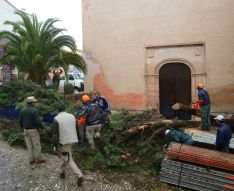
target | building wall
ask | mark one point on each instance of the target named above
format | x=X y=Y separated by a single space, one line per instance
x=123 y=38
x=6 y=14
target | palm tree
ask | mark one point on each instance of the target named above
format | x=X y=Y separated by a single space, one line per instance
x=38 y=47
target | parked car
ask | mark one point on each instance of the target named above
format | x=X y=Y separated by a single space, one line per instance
x=76 y=79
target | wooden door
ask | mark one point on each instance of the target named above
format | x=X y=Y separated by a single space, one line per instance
x=174 y=87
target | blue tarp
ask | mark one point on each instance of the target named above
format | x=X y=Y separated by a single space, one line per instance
x=13 y=113
x=10 y=112
x=49 y=118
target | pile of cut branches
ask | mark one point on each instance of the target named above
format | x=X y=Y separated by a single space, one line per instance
x=132 y=141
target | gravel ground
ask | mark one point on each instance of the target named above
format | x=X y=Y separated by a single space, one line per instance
x=16 y=174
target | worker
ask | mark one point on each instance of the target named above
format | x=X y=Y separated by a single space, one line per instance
x=64 y=133
x=30 y=121
x=92 y=118
x=224 y=134
x=178 y=136
x=204 y=104
x=104 y=105
x=100 y=101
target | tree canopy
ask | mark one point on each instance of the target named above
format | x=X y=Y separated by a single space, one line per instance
x=36 y=48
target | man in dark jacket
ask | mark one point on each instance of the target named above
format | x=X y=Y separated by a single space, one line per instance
x=30 y=121
x=91 y=117
x=104 y=105
x=224 y=134
x=101 y=101
x=204 y=103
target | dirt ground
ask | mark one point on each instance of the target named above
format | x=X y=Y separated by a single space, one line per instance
x=16 y=174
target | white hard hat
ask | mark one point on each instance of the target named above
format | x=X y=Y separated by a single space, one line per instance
x=167 y=131
x=219 y=118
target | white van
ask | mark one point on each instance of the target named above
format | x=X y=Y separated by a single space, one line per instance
x=76 y=79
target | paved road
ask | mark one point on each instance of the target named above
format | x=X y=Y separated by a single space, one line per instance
x=17 y=175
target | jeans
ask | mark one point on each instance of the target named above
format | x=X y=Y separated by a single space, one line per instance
x=205 y=117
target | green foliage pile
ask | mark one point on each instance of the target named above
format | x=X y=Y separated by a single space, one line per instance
x=16 y=91
x=14 y=94
x=140 y=165
x=14 y=135
x=68 y=88
x=130 y=156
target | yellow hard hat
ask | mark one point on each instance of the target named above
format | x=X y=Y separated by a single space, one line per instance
x=200 y=85
x=85 y=98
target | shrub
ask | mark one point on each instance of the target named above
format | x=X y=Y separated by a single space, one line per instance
x=14 y=136
x=68 y=88
x=15 y=92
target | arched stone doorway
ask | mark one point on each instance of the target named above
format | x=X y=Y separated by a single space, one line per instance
x=174 y=87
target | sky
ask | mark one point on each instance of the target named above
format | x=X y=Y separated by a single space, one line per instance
x=68 y=11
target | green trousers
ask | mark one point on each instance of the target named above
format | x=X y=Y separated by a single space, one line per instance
x=205 y=117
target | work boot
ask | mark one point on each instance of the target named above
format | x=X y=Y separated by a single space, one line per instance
x=41 y=161
x=80 y=181
x=32 y=162
x=208 y=128
x=97 y=138
x=62 y=175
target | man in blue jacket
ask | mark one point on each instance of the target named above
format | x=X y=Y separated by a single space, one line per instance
x=224 y=134
x=104 y=105
x=204 y=103
x=101 y=101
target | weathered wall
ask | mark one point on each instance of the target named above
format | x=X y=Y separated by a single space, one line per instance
x=117 y=34
x=7 y=11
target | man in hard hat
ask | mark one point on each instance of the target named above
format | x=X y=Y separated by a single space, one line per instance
x=204 y=104
x=179 y=136
x=91 y=117
x=224 y=134
x=30 y=121
x=64 y=133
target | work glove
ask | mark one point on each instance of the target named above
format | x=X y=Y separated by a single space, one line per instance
x=81 y=121
x=200 y=101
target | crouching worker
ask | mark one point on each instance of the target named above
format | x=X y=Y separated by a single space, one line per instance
x=105 y=106
x=178 y=136
x=64 y=133
x=91 y=116
x=224 y=134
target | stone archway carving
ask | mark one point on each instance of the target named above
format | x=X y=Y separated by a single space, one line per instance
x=174 y=60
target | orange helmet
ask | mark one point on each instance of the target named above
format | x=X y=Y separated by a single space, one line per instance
x=85 y=98
x=200 y=85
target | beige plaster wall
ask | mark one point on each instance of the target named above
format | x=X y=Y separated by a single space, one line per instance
x=118 y=33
